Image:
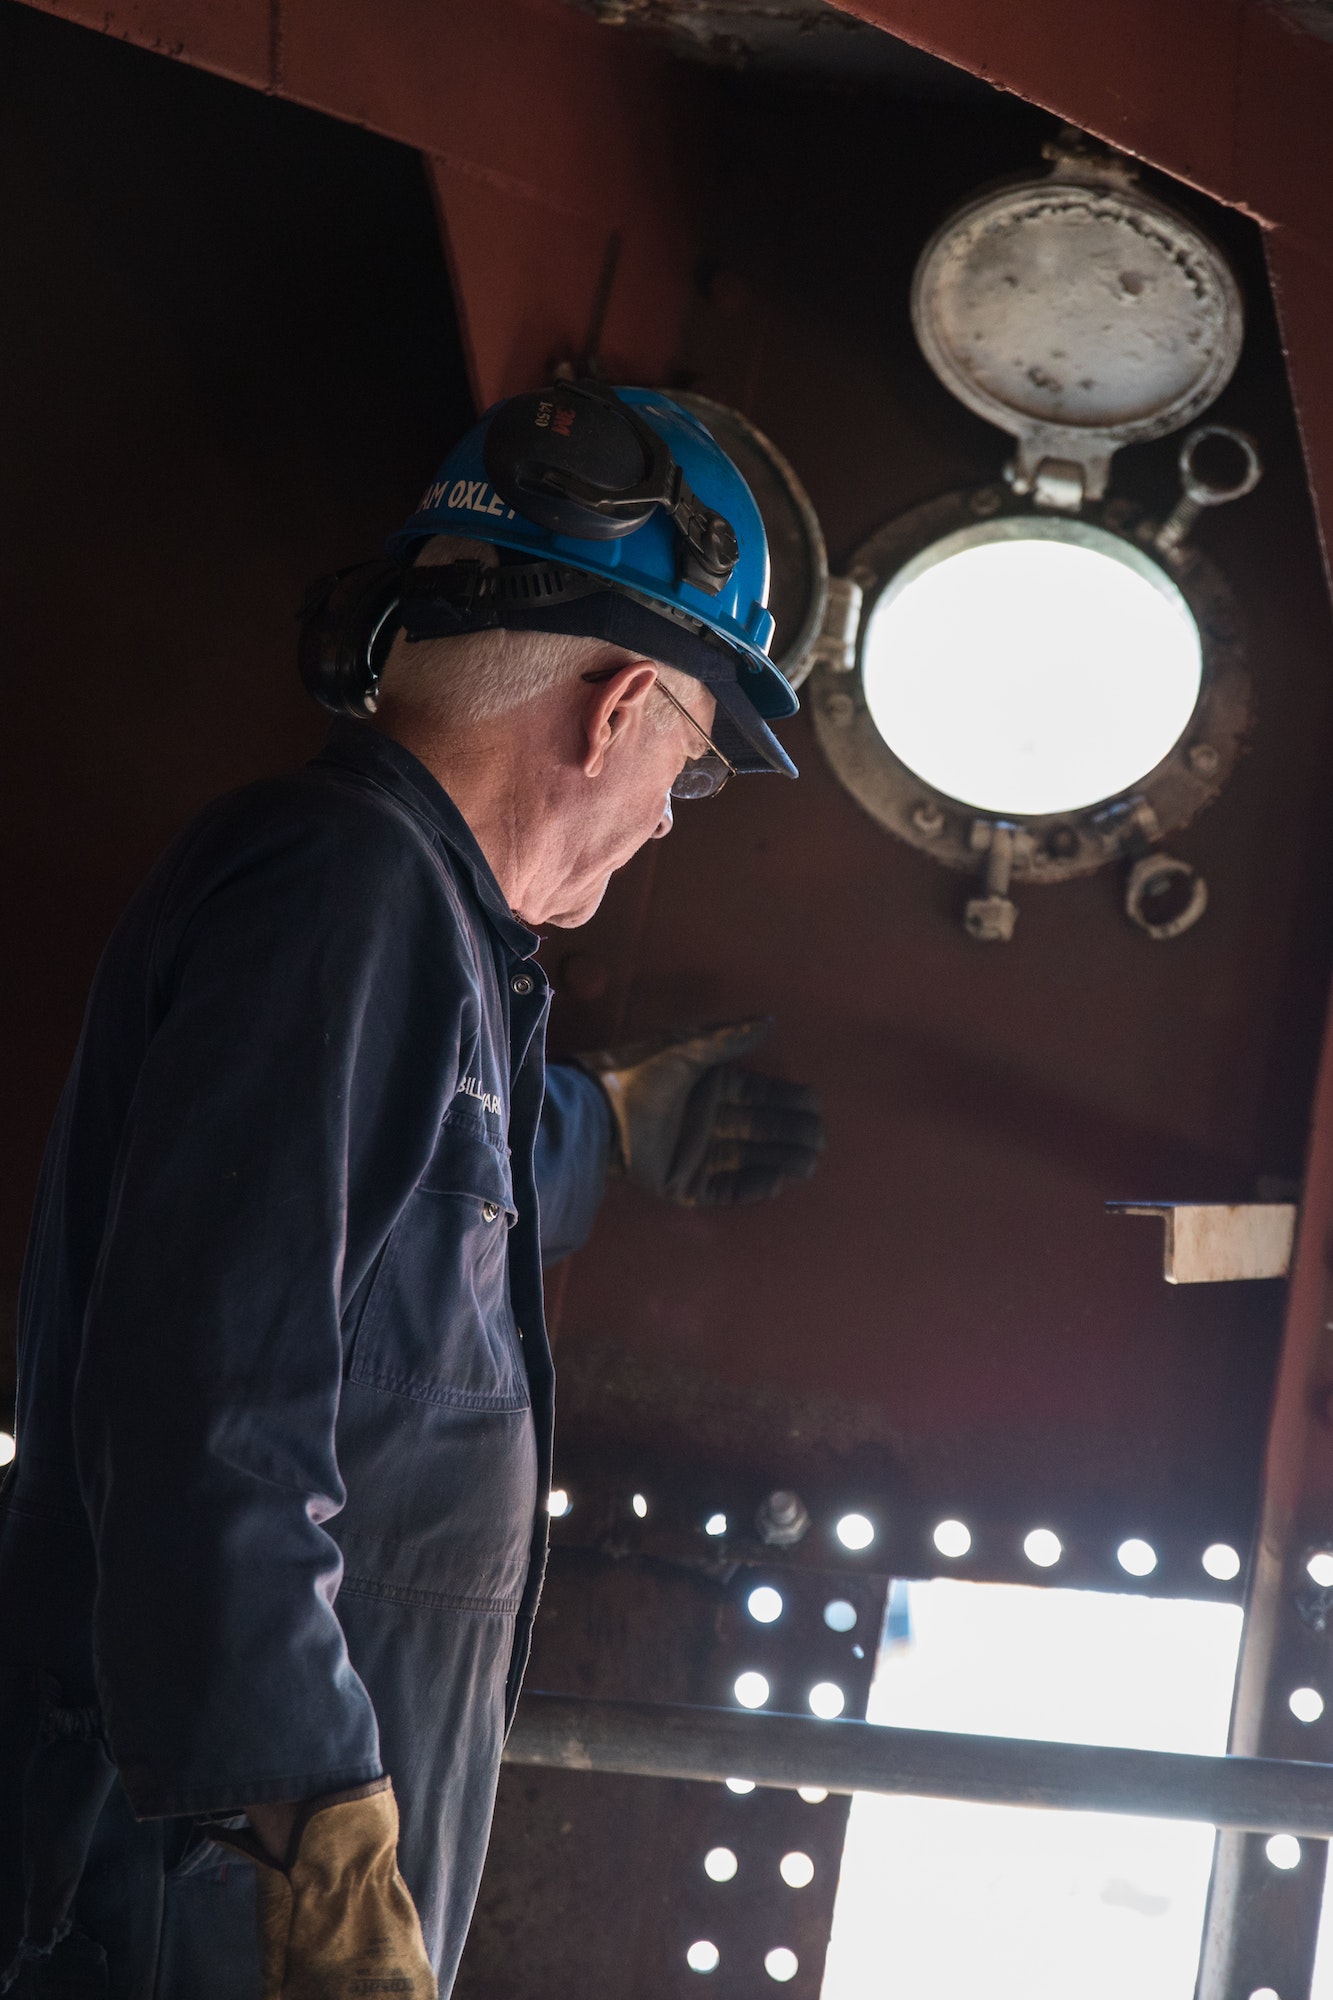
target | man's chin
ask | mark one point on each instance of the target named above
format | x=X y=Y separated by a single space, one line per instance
x=569 y=920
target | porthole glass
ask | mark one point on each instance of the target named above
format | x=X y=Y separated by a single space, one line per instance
x=1031 y=666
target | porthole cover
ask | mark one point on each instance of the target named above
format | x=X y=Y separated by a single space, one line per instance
x=1078 y=314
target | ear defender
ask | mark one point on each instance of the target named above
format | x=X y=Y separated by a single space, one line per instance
x=348 y=621
x=576 y=460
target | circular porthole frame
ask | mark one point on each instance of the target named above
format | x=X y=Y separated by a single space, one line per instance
x=1049 y=847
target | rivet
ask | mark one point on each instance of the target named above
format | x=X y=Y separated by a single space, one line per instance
x=928 y=819
x=489 y=1211
x=1204 y=760
x=523 y=984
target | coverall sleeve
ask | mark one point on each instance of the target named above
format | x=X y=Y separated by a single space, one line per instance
x=303 y=1044
x=571 y=1159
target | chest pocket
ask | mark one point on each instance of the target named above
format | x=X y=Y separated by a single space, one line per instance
x=437 y=1323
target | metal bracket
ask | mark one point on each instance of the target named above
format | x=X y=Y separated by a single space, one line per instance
x=991 y=918
x=1209 y=1243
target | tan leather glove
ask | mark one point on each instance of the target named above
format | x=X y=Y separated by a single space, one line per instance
x=335 y=1919
x=694 y=1128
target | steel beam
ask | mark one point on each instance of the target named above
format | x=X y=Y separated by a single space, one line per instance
x=659 y=1740
x=1262 y=1928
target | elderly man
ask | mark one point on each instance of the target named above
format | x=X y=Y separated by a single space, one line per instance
x=273 y=1539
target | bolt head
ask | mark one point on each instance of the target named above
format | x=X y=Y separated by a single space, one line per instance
x=782 y=1519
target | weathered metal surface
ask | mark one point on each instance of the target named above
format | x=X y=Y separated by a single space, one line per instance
x=1262 y=1927
x=644 y=1739
x=1211 y=1243
x=597 y=1886
x=949 y=1281
x=705 y=1477
x=1077 y=313
x=784 y=36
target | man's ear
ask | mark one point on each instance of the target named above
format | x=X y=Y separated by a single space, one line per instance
x=611 y=707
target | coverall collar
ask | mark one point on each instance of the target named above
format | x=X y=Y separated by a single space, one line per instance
x=359 y=748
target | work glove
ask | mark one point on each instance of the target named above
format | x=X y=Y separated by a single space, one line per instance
x=335 y=1919
x=694 y=1128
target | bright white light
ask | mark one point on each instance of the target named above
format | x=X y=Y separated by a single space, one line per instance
x=1043 y=1548
x=1306 y=1704
x=558 y=1502
x=7 y=1448
x=720 y=1864
x=1138 y=1558
x=1264 y=1993
x=1320 y=1569
x=751 y=1690
x=952 y=1538
x=640 y=1506
x=782 y=1964
x=1031 y=666
x=855 y=1532
x=1016 y=1903
x=814 y=1795
x=797 y=1870
x=1283 y=1850
x=740 y=1786
x=1220 y=1560
x=826 y=1700
x=716 y=1524
x=703 y=1956
x=764 y=1604
x=840 y=1616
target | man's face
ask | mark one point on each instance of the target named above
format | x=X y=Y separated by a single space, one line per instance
x=634 y=745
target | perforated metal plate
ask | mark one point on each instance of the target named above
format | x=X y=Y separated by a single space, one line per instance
x=1078 y=314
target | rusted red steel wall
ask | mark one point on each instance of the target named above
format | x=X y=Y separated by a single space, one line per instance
x=547 y=137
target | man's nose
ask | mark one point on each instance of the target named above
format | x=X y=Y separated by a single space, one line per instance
x=665 y=824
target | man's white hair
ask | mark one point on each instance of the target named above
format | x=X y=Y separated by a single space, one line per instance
x=480 y=676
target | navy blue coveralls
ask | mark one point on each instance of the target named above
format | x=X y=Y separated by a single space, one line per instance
x=276 y=1521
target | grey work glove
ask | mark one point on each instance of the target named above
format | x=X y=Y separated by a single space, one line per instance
x=336 y=1921
x=695 y=1129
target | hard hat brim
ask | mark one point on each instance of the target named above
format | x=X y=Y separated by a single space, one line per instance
x=746 y=691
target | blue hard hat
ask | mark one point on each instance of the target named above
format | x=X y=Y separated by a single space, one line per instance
x=682 y=578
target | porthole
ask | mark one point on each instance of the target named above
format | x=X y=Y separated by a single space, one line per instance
x=1076 y=751
x=1044 y=679
x=1031 y=667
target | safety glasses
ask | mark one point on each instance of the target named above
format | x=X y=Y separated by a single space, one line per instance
x=701 y=777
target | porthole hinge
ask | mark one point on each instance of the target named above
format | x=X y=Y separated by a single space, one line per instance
x=836 y=645
x=1057 y=486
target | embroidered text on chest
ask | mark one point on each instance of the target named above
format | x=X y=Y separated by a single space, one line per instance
x=470 y=1086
